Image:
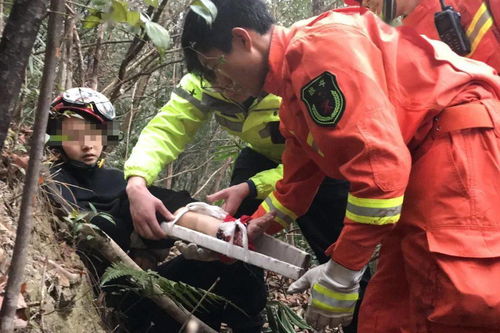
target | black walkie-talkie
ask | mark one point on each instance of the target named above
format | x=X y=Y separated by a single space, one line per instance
x=450 y=29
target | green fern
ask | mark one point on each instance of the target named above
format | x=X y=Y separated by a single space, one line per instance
x=181 y=293
x=282 y=319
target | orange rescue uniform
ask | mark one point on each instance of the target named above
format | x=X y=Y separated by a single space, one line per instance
x=374 y=105
x=480 y=19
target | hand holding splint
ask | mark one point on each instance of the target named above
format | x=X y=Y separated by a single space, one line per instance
x=334 y=292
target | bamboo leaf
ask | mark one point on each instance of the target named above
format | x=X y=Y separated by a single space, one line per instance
x=92 y=208
x=107 y=217
x=296 y=319
x=271 y=318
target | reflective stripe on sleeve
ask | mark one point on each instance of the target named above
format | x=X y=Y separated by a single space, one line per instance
x=235 y=126
x=313 y=145
x=332 y=301
x=221 y=105
x=480 y=24
x=374 y=211
x=191 y=99
x=284 y=216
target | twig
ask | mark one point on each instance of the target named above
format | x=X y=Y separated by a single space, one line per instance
x=186 y=171
x=199 y=303
x=129 y=125
x=72 y=277
x=42 y=292
x=224 y=166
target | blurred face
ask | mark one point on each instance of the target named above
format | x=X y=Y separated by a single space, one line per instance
x=83 y=142
x=240 y=73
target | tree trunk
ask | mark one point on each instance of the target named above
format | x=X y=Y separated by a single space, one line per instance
x=1 y=16
x=25 y=224
x=317 y=7
x=92 y=80
x=15 y=48
x=65 y=77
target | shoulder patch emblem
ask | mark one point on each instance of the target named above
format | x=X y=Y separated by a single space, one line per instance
x=324 y=99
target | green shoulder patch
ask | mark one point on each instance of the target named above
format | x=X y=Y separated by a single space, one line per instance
x=324 y=99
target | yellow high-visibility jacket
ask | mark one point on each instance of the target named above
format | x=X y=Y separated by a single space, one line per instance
x=190 y=105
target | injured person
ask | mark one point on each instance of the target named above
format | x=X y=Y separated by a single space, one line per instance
x=80 y=125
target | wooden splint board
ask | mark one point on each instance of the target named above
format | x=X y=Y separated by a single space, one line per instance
x=270 y=254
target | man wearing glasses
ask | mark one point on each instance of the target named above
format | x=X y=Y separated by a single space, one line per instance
x=256 y=170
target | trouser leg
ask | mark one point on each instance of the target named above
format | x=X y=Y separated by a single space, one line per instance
x=240 y=283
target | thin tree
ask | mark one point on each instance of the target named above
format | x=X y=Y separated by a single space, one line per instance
x=15 y=48
x=25 y=224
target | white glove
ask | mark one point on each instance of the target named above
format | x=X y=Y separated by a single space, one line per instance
x=192 y=251
x=334 y=292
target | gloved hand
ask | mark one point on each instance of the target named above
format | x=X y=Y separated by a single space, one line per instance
x=334 y=292
x=192 y=251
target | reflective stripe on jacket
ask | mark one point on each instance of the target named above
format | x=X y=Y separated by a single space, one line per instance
x=358 y=96
x=167 y=134
x=479 y=18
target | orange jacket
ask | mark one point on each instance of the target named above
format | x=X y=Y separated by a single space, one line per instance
x=358 y=95
x=480 y=19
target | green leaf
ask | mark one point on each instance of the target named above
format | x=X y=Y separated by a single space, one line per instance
x=153 y=3
x=107 y=217
x=100 y=3
x=158 y=35
x=133 y=18
x=271 y=318
x=120 y=11
x=285 y=321
x=296 y=319
x=81 y=216
x=91 y=22
x=206 y=9
x=92 y=208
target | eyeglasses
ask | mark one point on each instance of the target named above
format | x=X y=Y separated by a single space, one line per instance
x=207 y=86
x=84 y=96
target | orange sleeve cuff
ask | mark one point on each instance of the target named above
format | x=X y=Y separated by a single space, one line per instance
x=356 y=244
x=274 y=228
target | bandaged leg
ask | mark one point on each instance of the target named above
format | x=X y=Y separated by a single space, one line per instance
x=214 y=221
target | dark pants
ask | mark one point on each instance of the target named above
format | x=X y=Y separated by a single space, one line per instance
x=323 y=222
x=240 y=283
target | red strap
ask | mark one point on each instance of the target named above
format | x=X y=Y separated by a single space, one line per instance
x=470 y=115
x=237 y=240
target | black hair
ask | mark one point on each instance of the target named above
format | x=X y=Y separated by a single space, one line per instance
x=199 y=36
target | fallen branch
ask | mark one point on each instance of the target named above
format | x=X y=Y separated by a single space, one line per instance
x=113 y=253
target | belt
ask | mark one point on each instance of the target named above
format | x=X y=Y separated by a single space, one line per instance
x=463 y=116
